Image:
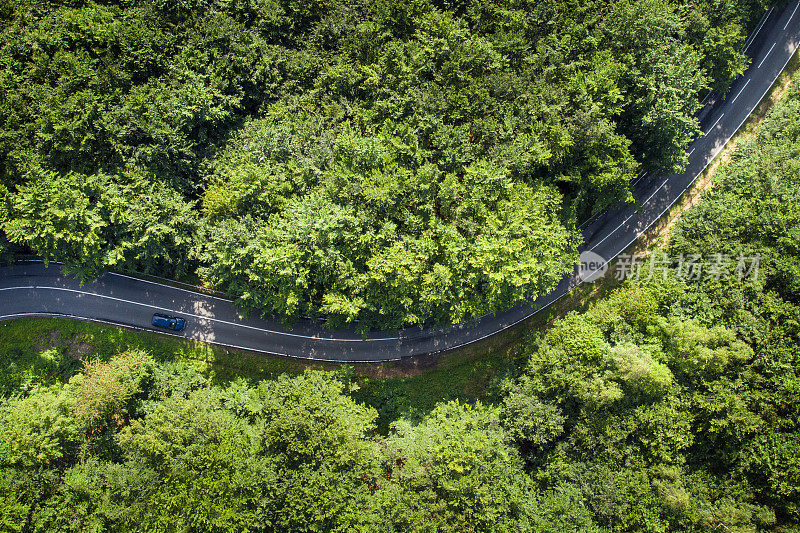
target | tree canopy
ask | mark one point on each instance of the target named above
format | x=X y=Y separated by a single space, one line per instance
x=672 y=403
x=385 y=162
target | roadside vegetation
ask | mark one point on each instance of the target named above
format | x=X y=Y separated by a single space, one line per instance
x=673 y=404
x=395 y=163
x=37 y=352
x=391 y=162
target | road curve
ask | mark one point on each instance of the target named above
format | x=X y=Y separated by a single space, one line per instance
x=30 y=289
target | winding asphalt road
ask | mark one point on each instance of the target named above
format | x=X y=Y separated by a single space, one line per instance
x=30 y=289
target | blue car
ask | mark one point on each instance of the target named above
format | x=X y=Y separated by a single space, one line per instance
x=169 y=322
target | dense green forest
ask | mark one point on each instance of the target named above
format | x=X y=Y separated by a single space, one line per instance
x=388 y=161
x=671 y=405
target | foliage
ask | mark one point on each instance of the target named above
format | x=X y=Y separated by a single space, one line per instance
x=375 y=161
x=104 y=391
x=207 y=475
x=97 y=222
x=323 y=460
x=392 y=261
x=288 y=454
x=39 y=430
x=455 y=471
x=379 y=140
x=673 y=404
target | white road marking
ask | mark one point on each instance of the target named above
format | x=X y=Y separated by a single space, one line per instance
x=766 y=56
x=612 y=233
x=763 y=20
x=640 y=178
x=791 y=17
x=197 y=292
x=692 y=151
x=630 y=217
x=715 y=124
x=740 y=92
x=708 y=162
x=200 y=317
x=167 y=332
x=654 y=192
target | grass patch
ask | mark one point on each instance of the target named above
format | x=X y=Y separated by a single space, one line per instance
x=37 y=351
x=43 y=351
x=469 y=377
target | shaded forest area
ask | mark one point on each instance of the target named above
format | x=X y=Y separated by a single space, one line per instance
x=388 y=161
x=671 y=405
